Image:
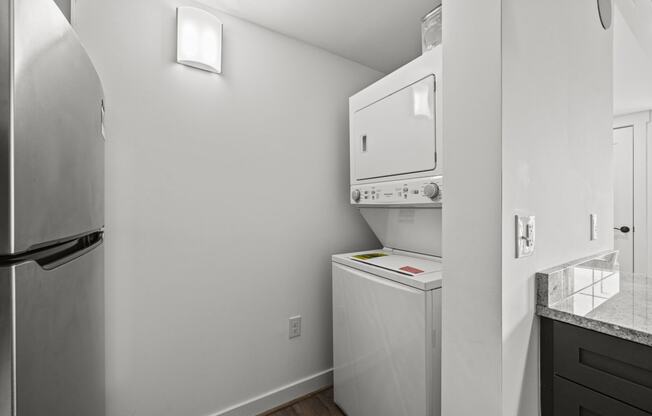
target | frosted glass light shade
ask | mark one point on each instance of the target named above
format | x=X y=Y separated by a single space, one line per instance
x=199 y=39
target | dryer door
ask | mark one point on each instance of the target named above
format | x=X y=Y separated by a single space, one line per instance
x=396 y=135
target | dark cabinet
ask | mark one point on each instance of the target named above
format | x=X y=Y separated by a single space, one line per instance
x=588 y=373
x=571 y=399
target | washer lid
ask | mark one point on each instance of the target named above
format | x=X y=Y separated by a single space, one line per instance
x=418 y=272
x=411 y=266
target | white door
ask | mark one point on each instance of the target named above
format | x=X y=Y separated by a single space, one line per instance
x=624 y=197
x=396 y=135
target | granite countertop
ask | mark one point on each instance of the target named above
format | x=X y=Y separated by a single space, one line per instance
x=592 y=293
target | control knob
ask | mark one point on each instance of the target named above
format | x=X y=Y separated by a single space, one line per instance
x=431 y=190
x=355 y=195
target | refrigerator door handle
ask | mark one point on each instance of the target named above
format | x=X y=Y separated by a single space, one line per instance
x=55 y=256
x=70 y=252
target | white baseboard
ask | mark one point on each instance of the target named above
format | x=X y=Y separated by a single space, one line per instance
x=279 y=396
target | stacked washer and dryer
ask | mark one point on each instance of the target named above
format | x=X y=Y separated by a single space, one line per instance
x=387 y=302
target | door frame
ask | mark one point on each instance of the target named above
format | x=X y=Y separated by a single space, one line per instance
x=640 y=122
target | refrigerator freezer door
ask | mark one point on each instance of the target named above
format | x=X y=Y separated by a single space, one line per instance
x=51 y=143
x=6 y=345
x=57 y=327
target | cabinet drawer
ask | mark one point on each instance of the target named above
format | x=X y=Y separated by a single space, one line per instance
x=574 y=400
x=615 y=367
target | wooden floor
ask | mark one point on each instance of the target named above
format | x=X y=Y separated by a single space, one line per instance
x=318 y=404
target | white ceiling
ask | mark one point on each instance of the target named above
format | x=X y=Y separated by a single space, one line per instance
x=385 y=34
x=632 y=56
x=381 y=34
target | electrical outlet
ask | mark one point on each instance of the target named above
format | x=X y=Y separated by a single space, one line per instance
x=295 y=326
x=594 y=227
x=525 y=233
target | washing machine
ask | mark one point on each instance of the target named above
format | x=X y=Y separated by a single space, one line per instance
x=387 y=334
x=387 y=302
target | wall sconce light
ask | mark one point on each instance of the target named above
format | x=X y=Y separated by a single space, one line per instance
x=199 y=39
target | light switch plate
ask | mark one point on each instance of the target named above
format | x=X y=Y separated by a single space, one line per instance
x=525 y=233
x=594 y=227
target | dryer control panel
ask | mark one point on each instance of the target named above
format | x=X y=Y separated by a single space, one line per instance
x=422 y=191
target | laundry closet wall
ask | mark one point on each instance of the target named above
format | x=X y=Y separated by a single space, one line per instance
x=538 y=117
x=226 y=196
x=557 y=163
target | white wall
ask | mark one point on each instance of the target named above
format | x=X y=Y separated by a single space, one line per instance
x=226 y=195
x=471 y=299
x=556 y=165
x=632 y=68
x=527 y=130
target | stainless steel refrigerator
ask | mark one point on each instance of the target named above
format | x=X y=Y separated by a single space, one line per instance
x=51 y=217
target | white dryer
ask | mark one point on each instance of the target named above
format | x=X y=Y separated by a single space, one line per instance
x=387 y=334
x=395 y=124
x=387 y=303
x=395 y=147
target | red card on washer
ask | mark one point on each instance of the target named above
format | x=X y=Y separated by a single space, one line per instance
x=410 y=269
